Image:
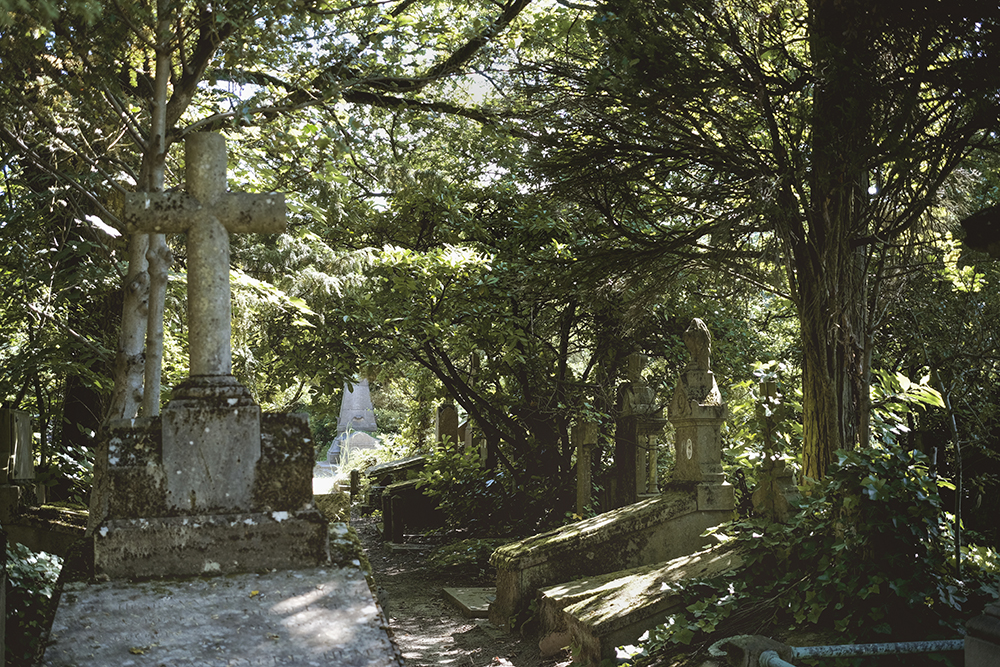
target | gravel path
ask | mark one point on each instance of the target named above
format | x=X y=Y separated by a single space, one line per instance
x=429 y=631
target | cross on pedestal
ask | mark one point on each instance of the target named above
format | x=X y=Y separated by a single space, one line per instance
x=208 y=214
x=211 y=427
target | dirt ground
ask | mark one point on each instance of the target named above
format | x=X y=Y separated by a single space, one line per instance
x=428 y=630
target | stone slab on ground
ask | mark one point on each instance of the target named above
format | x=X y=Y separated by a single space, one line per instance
x=599 y=613
x=472 y=602
x=317 y=616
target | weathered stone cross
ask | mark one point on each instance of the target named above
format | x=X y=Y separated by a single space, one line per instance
x=207 y=213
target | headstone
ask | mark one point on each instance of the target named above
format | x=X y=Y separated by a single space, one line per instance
x=641 y=421
x=210 y=486
x=585 y=438
x=697 y=413
x=356 y=410
x=16 y=458
x=16 y=462
x=446 y=424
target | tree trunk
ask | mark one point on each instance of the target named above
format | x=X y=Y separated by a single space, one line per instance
x=129 y=364
x=137 y=375
x=830 y=260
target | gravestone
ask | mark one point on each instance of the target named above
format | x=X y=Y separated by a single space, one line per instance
x=697 y=413
x=16 y=460
x=585 y=438
x=446 y=424
x=212 y=485
x=668 y=526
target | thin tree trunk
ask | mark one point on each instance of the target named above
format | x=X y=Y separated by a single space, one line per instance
x=158 y=256
x=129 y=364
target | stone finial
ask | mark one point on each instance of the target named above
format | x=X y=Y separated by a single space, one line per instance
x=698 y=340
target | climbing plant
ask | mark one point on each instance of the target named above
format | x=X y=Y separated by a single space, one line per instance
x=867 y=556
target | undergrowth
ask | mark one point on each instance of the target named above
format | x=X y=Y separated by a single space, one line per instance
x=31 y=584
x=868 y=557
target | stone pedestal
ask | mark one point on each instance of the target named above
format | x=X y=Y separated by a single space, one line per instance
x=160 y=513
x=585 y=439
x=697 y=413
x=211 y=445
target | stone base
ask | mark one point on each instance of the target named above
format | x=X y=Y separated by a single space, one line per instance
x=982 y=643
x=716 y=497
x=210 y=544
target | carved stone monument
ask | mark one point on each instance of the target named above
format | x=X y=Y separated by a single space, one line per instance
x=356 y=410
x=697 y=413
x=212 y=485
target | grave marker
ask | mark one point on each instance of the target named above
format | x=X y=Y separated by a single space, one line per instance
x=211 y=485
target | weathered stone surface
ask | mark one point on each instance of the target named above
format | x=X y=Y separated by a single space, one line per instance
x=133 y=501
x=143 y=548
x=597 y=614
x=356 y=410
x=211 y=445
x=207 y=213
x=284 y=473
x=650 y=531
x=982 y=641
x=318 y=616
x=446 y=424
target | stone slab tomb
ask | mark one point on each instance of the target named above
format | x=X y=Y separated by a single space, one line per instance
x=656 y=530
x=597 y=614
x=211 y=485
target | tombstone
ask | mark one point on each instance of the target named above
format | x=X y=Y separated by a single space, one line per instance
x=16 y=461
x=697 y=413
x=212 y=485
x=585 y=438
x=356 y=410
x=446 y=424
x=640 y=422
x=670 y=526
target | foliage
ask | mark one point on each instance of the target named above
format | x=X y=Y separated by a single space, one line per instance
x=866 y=556
x=488 y=502
x=765 y=143
x=472 y=554
x=31 y=583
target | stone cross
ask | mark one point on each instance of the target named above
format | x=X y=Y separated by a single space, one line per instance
x=208 y=214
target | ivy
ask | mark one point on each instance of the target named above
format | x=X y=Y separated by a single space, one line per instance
x=866 y=555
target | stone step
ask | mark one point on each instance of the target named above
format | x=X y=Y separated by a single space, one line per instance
x=597 y=614
x=472 y=602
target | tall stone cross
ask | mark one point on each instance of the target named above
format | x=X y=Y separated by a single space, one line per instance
x=211 y=427
x=208 y=214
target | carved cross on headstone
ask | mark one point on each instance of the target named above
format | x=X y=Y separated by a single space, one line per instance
x=208 y=214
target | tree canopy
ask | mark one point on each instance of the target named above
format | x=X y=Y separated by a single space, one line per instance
x=499 y=202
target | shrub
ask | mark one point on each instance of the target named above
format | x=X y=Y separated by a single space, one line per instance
x=31 y=584
x=867 y=556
